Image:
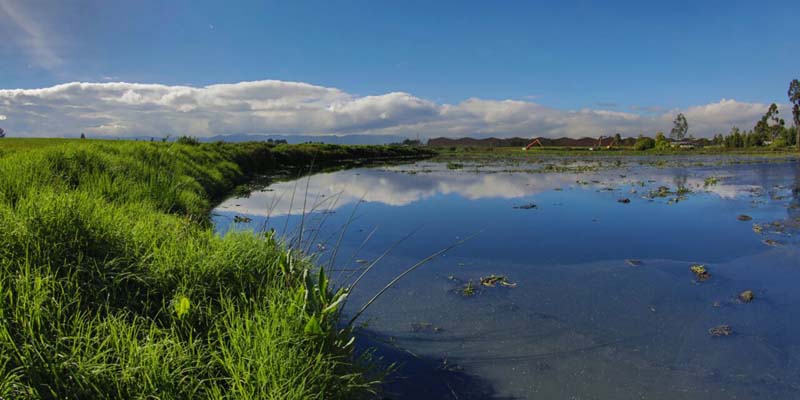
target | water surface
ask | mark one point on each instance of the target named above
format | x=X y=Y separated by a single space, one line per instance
x=582 y=322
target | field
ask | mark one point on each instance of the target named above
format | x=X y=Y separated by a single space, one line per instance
x=113 y=284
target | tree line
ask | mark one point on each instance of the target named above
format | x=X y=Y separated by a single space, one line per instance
x=769 y=130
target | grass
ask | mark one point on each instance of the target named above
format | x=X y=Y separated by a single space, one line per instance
x=113 y=284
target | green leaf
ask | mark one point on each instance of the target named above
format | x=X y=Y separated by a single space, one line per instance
x=181 y=306
x=313 y=327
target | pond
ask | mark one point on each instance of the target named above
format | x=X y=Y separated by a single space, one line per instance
x=597 y=298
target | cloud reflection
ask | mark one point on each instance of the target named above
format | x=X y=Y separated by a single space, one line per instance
x=330 y=191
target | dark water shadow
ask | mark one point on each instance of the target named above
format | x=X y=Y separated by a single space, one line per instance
x=420 y=378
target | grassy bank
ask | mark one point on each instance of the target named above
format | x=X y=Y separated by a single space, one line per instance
x=113 y=285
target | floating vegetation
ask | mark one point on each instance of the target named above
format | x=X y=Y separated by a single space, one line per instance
x=528 y=206
x=662 y=191
x=747 y=296
x=700 y=272
x=242 y=219
x=633 y=263
x=624 y=200
x=468 y=290
x=494 y=280
x=720 y=330
x=710 y=181
x=744 y=217
x=771 y=242
x=454 y=165
x=757 y=228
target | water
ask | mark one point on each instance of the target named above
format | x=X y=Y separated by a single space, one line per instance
x=581 y=322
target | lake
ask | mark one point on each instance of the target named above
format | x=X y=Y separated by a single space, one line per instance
x=594 y=296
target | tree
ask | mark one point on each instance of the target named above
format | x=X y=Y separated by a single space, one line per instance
x=83 y=136
x=794 y=98
x=2 y=133
x=661 y=141
x=679 y=128
x=769 y=127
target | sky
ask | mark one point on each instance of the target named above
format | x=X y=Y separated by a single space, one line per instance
x=443 y=68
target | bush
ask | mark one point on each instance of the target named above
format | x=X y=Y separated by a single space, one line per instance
x=644 y=143
x=188 y=140
x=779 y=142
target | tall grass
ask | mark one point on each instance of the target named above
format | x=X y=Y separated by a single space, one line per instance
x=113 y=285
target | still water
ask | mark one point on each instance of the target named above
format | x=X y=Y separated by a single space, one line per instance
x=603 y=303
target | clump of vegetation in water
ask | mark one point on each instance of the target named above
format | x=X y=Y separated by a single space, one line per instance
x=710 y=181
x=720 y=330
x=527 y=206
x=468 y=290
x=662 y=191
x=494 y=280
x=747 y=296
x=242 y=219
x=744 y=217
x=700 y=272
x=113 y=283
x=454 y=165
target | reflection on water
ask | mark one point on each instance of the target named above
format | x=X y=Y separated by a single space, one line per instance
x=581 y=322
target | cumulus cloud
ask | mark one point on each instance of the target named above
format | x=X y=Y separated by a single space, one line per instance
x=3 y=117
x=279 y=107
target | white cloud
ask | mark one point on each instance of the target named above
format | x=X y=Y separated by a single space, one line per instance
x=3 y=117
x=278 y=107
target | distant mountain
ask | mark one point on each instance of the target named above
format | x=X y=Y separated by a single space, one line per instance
x=521 y=142
x=332 y=139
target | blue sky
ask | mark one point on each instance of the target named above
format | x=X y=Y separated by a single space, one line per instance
x=635 y=57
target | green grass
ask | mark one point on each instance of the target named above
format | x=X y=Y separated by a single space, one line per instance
x=113 y=284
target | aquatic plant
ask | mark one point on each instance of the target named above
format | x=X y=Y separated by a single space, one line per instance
x=720 y=330
x=454 y=165
x=494 y=280
x=746 y=296
x=700 y=272
x=468 y=290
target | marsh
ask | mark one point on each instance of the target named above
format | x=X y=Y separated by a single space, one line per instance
x=582 y=319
